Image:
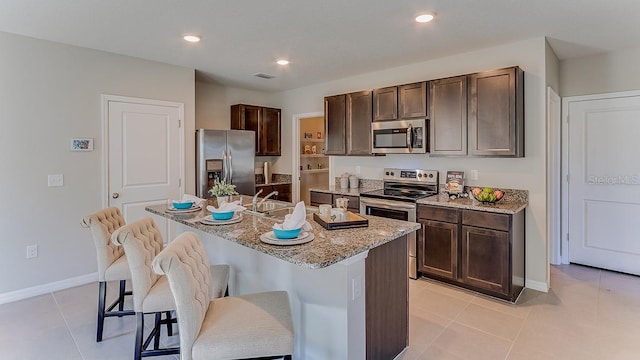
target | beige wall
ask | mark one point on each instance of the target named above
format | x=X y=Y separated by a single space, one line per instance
x=50 y=93
x=213 y=110
x=526 y=173
x=602 y=73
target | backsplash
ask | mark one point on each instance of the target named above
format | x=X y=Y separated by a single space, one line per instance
x=275 y=178
x=509 y=194
x=364 y=183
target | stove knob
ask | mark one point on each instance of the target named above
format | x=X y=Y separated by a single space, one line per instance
x=392 y=174
x=430 y=175
x=386 y=173
x=419 y=175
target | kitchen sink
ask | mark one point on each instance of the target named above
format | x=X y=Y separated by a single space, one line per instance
x=277 y=213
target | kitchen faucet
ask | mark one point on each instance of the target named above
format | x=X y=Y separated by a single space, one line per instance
x=254 y=202
x=268 y=196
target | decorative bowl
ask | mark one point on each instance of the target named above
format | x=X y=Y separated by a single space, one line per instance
x=222 y=215
x=483 y=197
x=286 y=234
x=182 y=205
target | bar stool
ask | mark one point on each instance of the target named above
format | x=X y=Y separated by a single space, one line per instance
x=112 y=263
x=237 y=327
x=142 y=241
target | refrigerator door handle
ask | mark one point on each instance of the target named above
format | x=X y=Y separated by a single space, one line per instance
x=224 y=166
x=230 y=167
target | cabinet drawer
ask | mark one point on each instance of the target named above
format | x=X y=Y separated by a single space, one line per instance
x=486 y=220
x=320 y=198
x=437 y=213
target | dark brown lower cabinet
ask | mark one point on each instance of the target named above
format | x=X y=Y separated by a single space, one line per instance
x=440 y=252
x=318 y=198
x=485 y=258
x=479 y=250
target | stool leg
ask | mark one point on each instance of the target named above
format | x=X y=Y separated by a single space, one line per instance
x=169 y=324
x=102 y=295
x=139 y=335
x=123 y=284
x=156 y=339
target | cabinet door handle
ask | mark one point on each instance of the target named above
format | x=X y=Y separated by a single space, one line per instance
x=115 y=195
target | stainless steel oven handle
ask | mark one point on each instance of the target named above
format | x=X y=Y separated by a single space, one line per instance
x=410 y=138
x=387 y=204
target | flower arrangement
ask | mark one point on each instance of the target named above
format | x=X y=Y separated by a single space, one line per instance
x=221 y=188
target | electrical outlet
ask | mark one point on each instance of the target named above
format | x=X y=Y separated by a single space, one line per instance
x=358 y=170
x=55 y=180
x=32 y=251
x=473 y=175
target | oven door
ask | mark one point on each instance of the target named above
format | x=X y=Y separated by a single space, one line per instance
x=402 y=136
x=398 y=210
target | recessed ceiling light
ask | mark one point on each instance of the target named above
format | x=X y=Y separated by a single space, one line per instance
x=424 y=18
x=192 y=38
x=282 y=62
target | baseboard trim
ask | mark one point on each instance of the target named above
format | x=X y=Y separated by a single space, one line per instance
x=537 y=285
x=47 y=288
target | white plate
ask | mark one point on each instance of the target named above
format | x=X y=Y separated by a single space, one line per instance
x=208 y=220
x=303 y=237
x=193 y=208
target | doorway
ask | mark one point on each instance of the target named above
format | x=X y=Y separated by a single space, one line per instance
x=308 y=170
x=602 y=188
x=143 y=151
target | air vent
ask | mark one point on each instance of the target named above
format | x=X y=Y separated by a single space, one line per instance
x=264 y=76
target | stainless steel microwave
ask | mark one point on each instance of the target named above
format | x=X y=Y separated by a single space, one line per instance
x=400 y=137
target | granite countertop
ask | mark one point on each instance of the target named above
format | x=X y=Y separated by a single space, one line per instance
x=505 y=206
x=340 y=191
x=328 y=247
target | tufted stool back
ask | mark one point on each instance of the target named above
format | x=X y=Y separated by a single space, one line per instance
x=186 y=264
x=102 y=224
x=142 y=241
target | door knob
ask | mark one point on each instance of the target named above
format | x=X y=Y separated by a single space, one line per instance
x=115 y=195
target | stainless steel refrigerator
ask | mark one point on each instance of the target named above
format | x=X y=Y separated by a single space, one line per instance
x=225 y=155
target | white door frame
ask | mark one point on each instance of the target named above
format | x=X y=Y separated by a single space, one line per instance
x=295 y=161
x=105 y=99
x=554 y=171
x=565 y=157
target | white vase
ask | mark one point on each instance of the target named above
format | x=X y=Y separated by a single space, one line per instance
x=220 y=199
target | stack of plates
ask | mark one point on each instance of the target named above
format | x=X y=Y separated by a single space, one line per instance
x=270 y=238
x=209 y=220
x=193 y=208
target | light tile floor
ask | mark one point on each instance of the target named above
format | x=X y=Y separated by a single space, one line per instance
x=588 y=314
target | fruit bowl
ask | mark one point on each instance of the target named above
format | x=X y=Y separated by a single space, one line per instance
x=486 y=195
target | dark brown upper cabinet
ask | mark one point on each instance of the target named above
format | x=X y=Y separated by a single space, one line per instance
x=359 y=123
x=266 y=122
x=412 y=100
x=400 y=102
x=496 y=113
x=335 y=122
x=448 y=118
x=348 y=123
x=385 y=103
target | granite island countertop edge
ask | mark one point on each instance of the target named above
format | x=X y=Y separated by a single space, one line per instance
x=329 y=246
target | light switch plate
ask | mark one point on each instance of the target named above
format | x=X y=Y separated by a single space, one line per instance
x=55 y=180
x=473 y=175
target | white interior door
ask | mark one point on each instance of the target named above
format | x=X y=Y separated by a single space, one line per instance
x=604 y=182
x=145 y=157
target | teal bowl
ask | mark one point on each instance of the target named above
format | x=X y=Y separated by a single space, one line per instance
x=286 y=234
x=183 y=205
x=222 y=215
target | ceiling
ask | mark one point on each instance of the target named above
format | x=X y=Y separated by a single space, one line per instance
x=323 y=39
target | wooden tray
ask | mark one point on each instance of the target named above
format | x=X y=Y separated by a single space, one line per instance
x=355 y=221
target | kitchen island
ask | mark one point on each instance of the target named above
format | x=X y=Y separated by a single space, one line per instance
x=339 y=284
